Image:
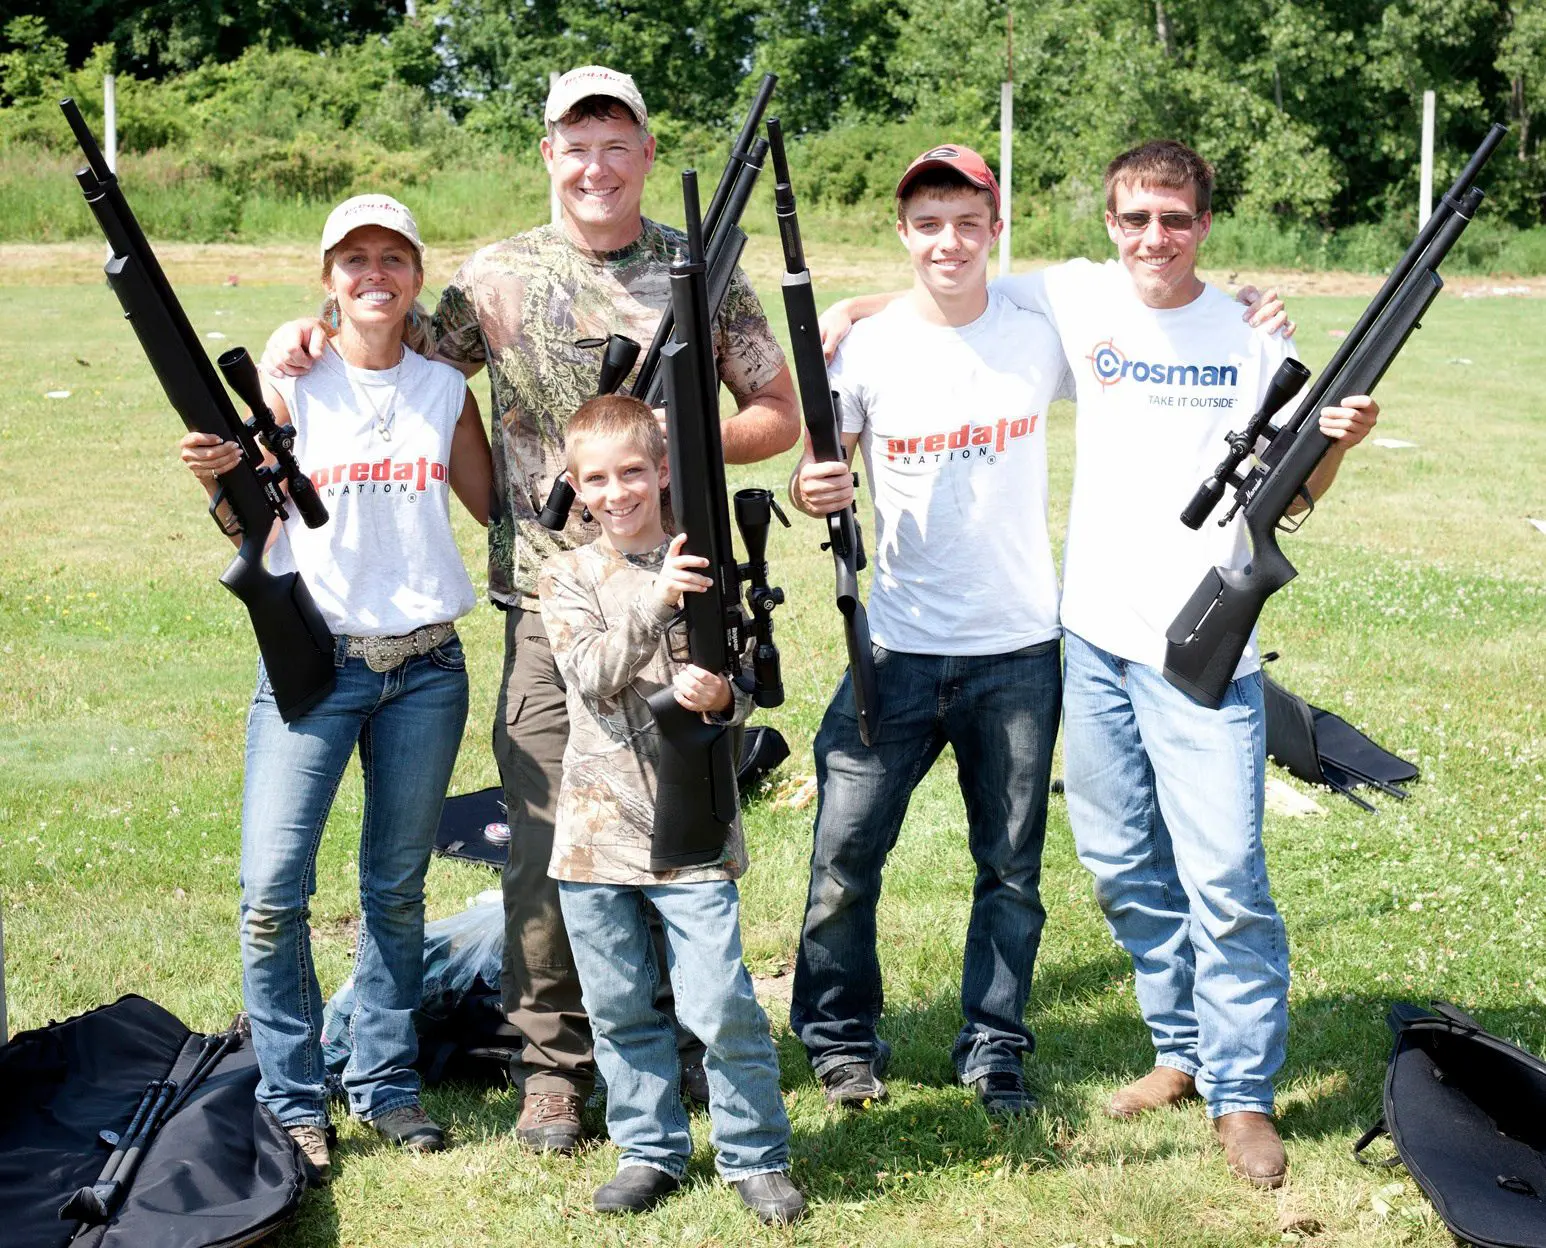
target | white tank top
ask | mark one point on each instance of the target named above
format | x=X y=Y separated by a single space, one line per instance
x=377 y=445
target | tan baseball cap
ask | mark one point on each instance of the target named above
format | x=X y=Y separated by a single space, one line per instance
x=589 y=80
x=370 y=210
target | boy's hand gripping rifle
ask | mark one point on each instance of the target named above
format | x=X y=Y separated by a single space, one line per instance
x=726 y=241
x=696 y=799
x=1206 y=640
x=820 y=405
x=294 y=640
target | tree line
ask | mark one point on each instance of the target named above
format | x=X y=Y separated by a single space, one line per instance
x=1309 y=108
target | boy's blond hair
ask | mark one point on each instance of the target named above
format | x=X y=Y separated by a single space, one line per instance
x=619 y=418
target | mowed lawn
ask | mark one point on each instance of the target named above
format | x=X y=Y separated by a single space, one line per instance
x=1420 y=615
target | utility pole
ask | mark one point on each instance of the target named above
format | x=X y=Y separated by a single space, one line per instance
x=1006 y=138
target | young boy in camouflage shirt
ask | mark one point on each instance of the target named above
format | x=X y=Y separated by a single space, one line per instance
x=610 y=609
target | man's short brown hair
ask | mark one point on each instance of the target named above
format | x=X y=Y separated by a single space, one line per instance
x=1161 y=163
x=617 y=418
x=944 y=182
x=599 y=108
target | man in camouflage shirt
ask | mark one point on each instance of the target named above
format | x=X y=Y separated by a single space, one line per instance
x=518 y=307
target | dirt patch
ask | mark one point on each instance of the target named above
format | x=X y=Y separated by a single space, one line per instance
x=835 y=266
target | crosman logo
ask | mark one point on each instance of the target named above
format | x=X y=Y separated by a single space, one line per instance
x=940 y=153
x=1111 y=366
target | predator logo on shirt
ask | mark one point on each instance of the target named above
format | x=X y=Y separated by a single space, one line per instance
x=967 y=442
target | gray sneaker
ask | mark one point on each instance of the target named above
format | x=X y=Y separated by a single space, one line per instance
x=315 y=1158
x=410 y=1127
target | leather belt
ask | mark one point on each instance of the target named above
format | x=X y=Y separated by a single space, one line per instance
x=382 y=654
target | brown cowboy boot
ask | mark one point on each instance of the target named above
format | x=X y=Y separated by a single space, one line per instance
x=1162 y=1086
x=1252 y=1147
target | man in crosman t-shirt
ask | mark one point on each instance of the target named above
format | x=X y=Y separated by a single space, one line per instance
x=518 y=308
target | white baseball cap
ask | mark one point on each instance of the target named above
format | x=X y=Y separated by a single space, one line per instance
x=589 y=80
x=380 y=210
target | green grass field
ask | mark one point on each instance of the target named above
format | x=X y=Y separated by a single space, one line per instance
x=1420 y=615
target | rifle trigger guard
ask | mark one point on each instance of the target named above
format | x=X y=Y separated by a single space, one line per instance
x=234 y=529
x=1283 y=526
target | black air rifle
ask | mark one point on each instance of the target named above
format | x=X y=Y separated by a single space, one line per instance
x=821 y=408
x=1207 y=638
x=696 y=799
x=294 y=640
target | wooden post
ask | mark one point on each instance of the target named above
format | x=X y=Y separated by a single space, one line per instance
x=1425 y=177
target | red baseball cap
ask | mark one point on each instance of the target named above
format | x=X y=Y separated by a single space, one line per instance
x=963 y=160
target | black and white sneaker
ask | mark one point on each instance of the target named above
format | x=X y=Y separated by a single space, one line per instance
x=1003 y=1094
x=853 y=1085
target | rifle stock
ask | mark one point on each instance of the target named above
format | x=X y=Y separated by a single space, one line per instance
x=822 y=411
x=1206 y=639
x=292 y=637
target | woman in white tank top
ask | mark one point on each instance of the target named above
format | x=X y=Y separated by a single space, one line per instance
x=385 y=434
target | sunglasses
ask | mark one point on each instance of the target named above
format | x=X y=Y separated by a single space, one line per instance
x=1170 y=222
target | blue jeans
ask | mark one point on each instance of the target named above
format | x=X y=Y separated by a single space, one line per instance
x=1165 y=799
x=636 y=1044
x=408 y=724
x=1000 y=713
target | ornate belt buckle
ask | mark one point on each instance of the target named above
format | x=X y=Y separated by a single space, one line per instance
x=382 y=654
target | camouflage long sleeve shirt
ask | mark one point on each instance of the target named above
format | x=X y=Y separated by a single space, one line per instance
x=612 y=640
x=519 y=307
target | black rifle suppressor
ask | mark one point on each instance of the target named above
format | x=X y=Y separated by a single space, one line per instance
x=821 y=408
x=1205 y=641
x=726 y=241
x=696 y=799
x=294 y=640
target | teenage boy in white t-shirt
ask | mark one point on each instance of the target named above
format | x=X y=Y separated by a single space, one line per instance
x=946 y=393
x=1164 y=794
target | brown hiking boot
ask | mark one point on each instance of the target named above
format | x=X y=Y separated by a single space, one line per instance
x=1252 y=1147
x=550 y=1122
x=313 y=1142
x=1162 y=1086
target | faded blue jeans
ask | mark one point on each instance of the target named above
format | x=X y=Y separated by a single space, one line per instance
x=636 y=1049
x=1000 y=714
x=1165 y=799
x=408 y=726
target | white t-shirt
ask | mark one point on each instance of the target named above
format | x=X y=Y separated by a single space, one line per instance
x=1158 y=389
x=952 y=423
x=385 y=563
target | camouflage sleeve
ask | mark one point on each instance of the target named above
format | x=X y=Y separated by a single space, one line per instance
x=458 y=337
x=596 y=657
x=749 y=355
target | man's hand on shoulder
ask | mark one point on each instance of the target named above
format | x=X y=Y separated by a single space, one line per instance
x=834 y=324
x=1264 y=310
x=294 y=347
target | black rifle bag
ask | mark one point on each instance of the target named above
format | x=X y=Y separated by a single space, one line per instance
x=220 y=1171
x=1467 y=1114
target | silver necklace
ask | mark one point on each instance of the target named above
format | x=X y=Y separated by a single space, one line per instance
x=387 y=412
